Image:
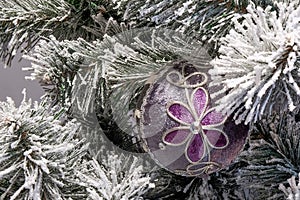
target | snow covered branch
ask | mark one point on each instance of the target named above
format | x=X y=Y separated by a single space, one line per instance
x=24 y=22
x=272 y=156
x=258 y=63
x=119 y=177
x=292 y=192
x=38 y=153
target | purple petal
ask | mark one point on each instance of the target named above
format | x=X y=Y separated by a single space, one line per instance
x=217 y=139
x=200 y=100
x=180 y=113
x=176 y=137
x=212 y=118
x=195 y=150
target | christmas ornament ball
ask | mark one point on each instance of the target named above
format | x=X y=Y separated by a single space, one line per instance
x=180 y=127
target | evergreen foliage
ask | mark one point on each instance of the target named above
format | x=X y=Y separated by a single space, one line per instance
x=96 y=58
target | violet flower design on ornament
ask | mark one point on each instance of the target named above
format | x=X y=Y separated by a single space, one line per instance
x=199 y=129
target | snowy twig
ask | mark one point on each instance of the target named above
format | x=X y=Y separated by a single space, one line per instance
x=258 y=62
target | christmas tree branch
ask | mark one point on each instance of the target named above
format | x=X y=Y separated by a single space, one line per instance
x=23 y=23
x=206 y=20
x=273 y=156
x=118 y=177
x=293 y=191
x=258 y=63
x=38 y=153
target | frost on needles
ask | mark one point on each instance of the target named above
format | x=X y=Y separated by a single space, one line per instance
x=24 y=22
x=38 y=153
x=207 y=20
x=258 y=62
x=44 y=157
x=272 y=157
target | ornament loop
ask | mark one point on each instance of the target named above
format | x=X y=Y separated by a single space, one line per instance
x=177 y=79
